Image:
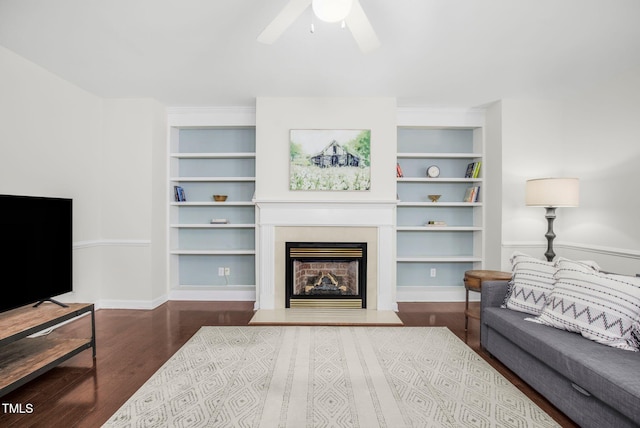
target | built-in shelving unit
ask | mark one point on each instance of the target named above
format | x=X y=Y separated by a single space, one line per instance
x=207 y=161
x=436 y=257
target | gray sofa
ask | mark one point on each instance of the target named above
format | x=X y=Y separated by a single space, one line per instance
x=595 y=385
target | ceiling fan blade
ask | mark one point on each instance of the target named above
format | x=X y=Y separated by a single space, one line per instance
x=283 y=20
x=361 y=28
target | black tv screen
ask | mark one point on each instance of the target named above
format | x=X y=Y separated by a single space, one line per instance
x=37 y=241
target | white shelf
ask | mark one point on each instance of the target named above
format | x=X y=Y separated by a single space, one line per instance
x=438 y=259
x=211 y=204
x=439 y=180
x=439 y=204
x=214 y=252
x=439 y=155
x=438 y=228
x=238 y=155
x=216 y=287
x=210 y=179
x=213 y=226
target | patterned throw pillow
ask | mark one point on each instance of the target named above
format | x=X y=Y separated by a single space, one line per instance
x=602 y=307
x=530 y=285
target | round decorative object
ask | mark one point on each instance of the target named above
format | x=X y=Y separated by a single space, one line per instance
x=219 y=198
x=433 y=171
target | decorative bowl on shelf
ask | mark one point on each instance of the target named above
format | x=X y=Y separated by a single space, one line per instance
x=219 y=198
x=434 y=198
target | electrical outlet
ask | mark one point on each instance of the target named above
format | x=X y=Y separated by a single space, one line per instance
x=227 y=271
x=433 y=272
x=220 y=271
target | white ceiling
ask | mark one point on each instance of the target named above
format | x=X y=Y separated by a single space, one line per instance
x=434 y=52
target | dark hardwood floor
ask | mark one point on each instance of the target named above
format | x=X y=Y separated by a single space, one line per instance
x=133 y=344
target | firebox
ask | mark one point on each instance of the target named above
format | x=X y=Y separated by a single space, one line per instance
x=326 y=274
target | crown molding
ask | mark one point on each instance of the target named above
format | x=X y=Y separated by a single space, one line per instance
x=210 y=110
x=211 y=116
x=441 y=117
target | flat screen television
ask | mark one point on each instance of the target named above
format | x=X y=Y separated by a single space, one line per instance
x=36 y=236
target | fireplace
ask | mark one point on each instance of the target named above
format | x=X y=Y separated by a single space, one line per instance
x=326 y=274
x=326 y=221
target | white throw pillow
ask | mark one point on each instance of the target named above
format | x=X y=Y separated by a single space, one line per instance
x=602 y=307
x=530 y=285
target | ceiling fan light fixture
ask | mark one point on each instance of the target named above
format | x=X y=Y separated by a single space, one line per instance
x=331 y=10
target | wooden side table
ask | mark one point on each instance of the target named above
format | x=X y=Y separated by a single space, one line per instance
x=473 y=280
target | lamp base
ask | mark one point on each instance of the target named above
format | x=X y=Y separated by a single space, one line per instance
x=550 y=216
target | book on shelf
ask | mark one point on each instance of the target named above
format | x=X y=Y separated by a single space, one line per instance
x=219 y=221
x=179 y=195
x=467 y=195
x=436 y=223
x=399 y=170
x=469 y=172
x=476 y=169
x=472 y=194
x=473 y=170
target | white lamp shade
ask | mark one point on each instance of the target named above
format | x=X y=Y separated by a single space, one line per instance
x=553 y=192
x=331 y=10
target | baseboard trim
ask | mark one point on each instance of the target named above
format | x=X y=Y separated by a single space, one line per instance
x=220 y=294
x=434 y=294
x=131 y=304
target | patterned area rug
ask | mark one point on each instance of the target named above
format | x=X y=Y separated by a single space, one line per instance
x=313 y=376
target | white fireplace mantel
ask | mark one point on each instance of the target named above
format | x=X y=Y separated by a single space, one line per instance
x=326 y=213
x=332 y=214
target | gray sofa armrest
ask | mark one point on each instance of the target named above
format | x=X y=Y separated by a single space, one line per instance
x=492 y=295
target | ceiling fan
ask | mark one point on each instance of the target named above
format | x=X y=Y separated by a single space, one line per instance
x=349 y=12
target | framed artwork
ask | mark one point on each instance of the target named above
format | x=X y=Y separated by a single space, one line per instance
x=329 y=159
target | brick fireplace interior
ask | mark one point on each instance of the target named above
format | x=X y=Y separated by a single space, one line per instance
x=326 y=274
x=368 y=235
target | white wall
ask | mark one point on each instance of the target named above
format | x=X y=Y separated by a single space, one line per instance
x=602 y=147
x=275 y=117
x=593 y=136
x=50 y=145
x=109 y=156
x=492 y=172
x=531 y=148
x=158 y=208
x=133 y=203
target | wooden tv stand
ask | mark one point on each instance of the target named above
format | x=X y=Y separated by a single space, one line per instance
x=22 y=358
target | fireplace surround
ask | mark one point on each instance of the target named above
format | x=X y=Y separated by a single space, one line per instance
x=372 y=222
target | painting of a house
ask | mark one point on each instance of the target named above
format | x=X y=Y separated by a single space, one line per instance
x=335 y=155
x=330 y=159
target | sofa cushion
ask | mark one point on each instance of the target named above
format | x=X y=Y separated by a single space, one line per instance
x=610 y=374
x=602 y=307
x=530 y=285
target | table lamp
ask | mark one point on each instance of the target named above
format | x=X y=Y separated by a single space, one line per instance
x=552 y=193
